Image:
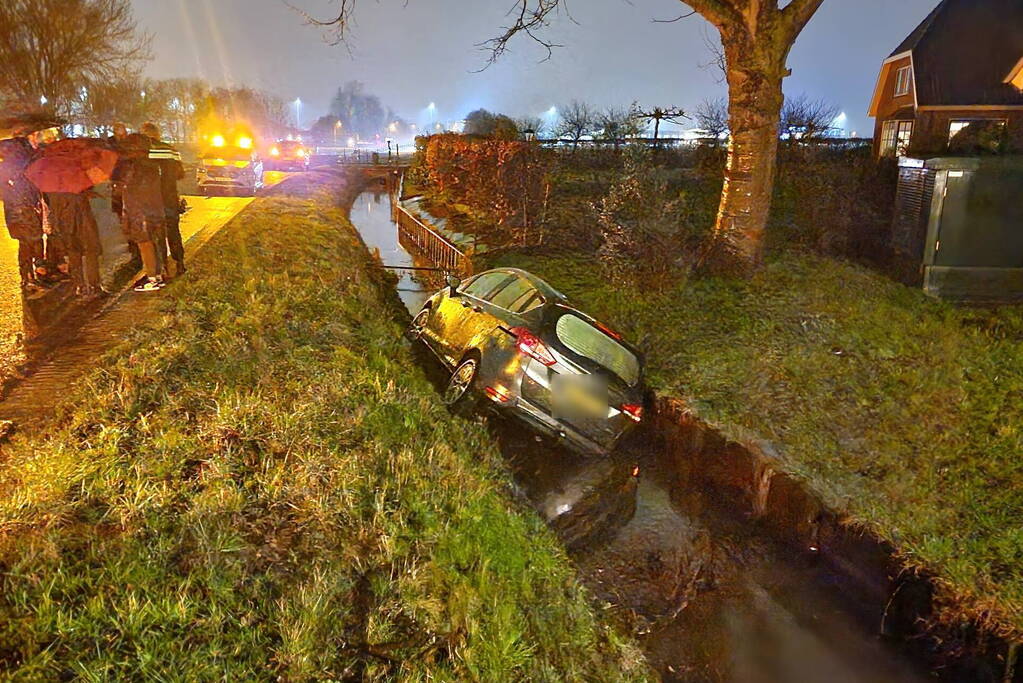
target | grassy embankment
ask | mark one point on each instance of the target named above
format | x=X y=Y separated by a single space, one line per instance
x=259 y=483
x=904 y=412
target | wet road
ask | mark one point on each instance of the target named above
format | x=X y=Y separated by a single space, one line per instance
x=708 y=597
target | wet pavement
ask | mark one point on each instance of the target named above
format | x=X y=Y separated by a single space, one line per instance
x=708 y=597
x=30 y=401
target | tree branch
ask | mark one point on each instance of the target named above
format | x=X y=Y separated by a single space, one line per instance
x=529 y=20
x=721 y=13
x=797 y=14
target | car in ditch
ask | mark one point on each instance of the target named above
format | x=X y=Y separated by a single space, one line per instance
x=229 y=169
x=516 y=345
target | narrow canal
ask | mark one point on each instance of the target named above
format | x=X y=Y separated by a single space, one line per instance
x=708 y=597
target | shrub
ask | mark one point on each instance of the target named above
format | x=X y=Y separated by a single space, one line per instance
x=647 y=235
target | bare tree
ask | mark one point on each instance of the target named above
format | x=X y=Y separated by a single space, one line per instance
x=51 y=49
x=532 y=123
x=659 y=114
x=807 y=120
x=618 y=124
x=712 y=117
x=756 y=37
x=577 y=120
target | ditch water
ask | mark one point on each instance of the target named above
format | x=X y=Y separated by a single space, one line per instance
x=708 y=598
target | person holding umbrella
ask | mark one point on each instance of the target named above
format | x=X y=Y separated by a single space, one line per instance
x=66 y=172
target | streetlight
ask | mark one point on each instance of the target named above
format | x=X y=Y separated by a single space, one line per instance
x=393 y=128
x=298 y=112
x=337 y=127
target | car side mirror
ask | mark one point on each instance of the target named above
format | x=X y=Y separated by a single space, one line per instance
x=452 y=282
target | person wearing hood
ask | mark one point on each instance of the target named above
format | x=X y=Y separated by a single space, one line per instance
x=22 y=208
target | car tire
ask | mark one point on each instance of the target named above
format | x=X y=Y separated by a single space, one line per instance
x=418 y=324
x=460 y=394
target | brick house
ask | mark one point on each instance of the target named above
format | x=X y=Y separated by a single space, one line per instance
x=956 y=81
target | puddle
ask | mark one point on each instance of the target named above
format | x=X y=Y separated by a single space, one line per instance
x=708 y=597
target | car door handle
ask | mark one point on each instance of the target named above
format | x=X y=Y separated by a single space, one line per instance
x=477 y=308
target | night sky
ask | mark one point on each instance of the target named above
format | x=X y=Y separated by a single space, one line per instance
x=426 y=52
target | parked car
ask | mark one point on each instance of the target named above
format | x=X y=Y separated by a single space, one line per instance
x=229 y=170
x=288 y=155
x=515 y=344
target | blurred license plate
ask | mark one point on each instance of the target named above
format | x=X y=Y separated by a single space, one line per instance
x=579 y=396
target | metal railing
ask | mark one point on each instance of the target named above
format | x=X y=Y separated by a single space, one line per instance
x=431 y=244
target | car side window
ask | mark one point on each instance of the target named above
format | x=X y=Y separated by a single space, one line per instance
x=486 y=284
x=511 y=293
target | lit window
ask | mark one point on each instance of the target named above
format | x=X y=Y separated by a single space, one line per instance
x=903 y=80
x=895 y=137
x=976 y=125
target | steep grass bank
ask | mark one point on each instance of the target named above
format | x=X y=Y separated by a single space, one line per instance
x=259 y=484
x=901 y=411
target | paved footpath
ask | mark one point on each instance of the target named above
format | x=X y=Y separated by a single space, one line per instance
x=31 y=401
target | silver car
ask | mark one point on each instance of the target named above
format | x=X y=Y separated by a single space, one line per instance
x=513 y=343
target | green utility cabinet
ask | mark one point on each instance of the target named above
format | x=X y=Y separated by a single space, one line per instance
x=961 y=220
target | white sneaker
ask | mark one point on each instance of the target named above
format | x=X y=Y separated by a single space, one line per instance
x=151 y=284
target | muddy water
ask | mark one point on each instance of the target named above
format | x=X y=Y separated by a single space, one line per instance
x=708 y=597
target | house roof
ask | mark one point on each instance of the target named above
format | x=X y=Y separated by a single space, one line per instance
x=964 y=50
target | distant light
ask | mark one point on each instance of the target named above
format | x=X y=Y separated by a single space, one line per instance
x=143 y=93
x=351 y=142
x=43 y=100
x=298 y=100
x=217 y=141
x=245 y=142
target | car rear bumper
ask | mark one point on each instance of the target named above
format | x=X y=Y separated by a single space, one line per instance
x=525 y=411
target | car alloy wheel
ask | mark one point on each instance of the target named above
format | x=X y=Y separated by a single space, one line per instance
x=415 y=329
x=461 y=383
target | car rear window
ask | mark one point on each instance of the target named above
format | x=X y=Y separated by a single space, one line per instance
x=587 y=341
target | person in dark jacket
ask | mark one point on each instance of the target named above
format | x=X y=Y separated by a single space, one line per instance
x=171 y=171
x=22 y=208
x=73 y=221
x=143 y=216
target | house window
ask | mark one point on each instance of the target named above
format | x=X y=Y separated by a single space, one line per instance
x=903 y=79
x=973 y=135
x=957 y=127
x=895 y=137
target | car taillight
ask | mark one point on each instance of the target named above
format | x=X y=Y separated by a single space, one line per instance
x=529 y=344
x=634 y=411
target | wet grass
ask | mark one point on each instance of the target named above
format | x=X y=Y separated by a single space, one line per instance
x=260 y=484
x=904 y=412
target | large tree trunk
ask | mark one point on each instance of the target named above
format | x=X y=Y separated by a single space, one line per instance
x=754 y=112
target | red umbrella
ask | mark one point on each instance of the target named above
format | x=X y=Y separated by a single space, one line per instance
x=72 y=165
